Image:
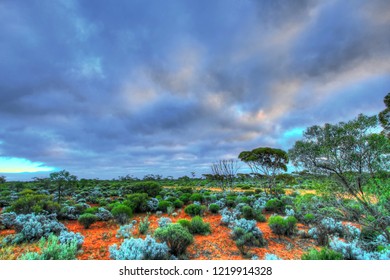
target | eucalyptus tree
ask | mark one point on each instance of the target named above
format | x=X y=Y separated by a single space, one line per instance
x=224 y=172
x=266 y=161
x=355 y=157
x=63 y=180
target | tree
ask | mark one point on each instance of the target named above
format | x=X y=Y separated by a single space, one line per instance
x=266 y=161
x=355 y=158
x=384 y=116
x=224 y=171
x=2 y=179
x=63 y=180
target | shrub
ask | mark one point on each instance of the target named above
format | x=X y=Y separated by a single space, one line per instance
x=138 y=202
x=324 y=254
x=308 y=218
x=140 y=249
x=197 y=226
x=260 y=217
x=163 y=205
x=31 y=227
x=87 y=220
x=121 y=213
x=144 y=225
x=103 y=214
x=153 y=204
x=178 y=203
x=91 y=210
x=271 y=257
x=196 y=197
x=282 y=226
x=163 y=222
x=68 y=237
x=326 y=227
x=8 y=219
x=51 y=249
x=214 y=208
x=228 y=216
x=274 y=205
x=248 y=212
x=31 y=202
x=126 y=231
x=185 y=197
x=184 y=223
x=170 y=210
x=246 y=233
x=149 y=187
x=177 y=238
x=195 y=210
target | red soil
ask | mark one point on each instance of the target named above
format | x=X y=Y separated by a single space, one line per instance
x=216 y=246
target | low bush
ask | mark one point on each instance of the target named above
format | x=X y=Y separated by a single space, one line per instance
x=195 y=210
x=126 y=231
x=121 y=213
x=214 y=208
x=275 y=205
x=184 y=223
x=282 y=226
x=87 y=219
x=144 y=225
x=164 y=221
x=68 y=237
x=196 y=197
x=246 y=233
x=52 y=249
x=149 y=187
x=177 y=238
x=198 y=226
x=178 y=203
x=138 y=202
x=140 y=249
x=308 y=219
x=324 y=254
x=163 y=205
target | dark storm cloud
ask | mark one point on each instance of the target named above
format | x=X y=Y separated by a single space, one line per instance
x=168 y=87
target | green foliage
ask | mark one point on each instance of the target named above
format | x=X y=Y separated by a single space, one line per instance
x=149 y=187
x=51 y=249
x=324 y=254
x=144 y=225
x=163 y=205
x=214 y=208
x=177 y=238
x=384 y=116
x=121 y=213
x=178 y=203
x=138 y=202
x=195 y=210
x=184 y=223
x=30 y=202
x=308 y=218
x=275 y=205
x=91 y=210
x=63 y=181
x=87 y=219
x=196 y=197
x=185 y=197
x=282 y=226
x=198 y=226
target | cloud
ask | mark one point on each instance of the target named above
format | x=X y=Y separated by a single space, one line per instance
x=104 y=90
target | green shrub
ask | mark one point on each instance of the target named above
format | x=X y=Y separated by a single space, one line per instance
x=138 y=202
x=308 y=218
x=282 y=226
x=163 y=205
x=87 y=220
x=121 y=213
x=91 y=210
x=184 y=223
x=195 y=209
x=248 y=212
x=149 y=187
x=324 y=254
x=30 y=202
x=177 y=238
x=51 y=249
x=260 y=217
x=144 y=225
x=214 y=208
x=275 y=205
x=196 y=197
x=198 y=226
x=185 y=197
x=178 y=203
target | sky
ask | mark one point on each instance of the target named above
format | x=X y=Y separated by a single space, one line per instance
x=103 y=89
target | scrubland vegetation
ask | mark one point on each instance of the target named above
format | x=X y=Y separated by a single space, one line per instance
x=336 y=207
